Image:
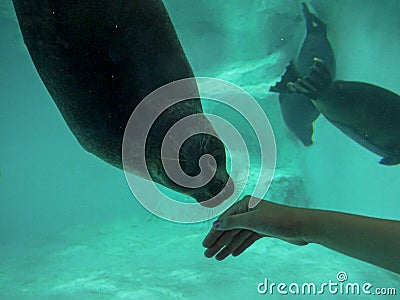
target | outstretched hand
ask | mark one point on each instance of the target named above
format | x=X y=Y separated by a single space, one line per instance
x=240 y=226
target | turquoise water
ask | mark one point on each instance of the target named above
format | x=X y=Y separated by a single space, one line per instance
x=70 y=227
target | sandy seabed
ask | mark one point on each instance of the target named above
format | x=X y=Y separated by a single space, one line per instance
x=155 y=259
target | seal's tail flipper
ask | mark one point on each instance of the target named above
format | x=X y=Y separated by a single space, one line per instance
x=307 y=16
x=291 y=75
x=312 y=22
x=312 y=85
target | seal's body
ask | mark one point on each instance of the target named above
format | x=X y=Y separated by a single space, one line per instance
x=98 y=60
x=298 y=111
x=367 y=113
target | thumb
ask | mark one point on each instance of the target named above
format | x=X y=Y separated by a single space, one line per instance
x=233 y=222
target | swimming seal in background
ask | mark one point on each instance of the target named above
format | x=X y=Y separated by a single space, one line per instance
x=297 y=110
x=98 y=59
x=367 y=113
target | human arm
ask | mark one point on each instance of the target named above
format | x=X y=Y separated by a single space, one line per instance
x=376 y=241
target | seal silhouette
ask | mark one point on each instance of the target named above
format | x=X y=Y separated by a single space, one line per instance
x=367 y=113
x=297 y=110
x=98 y=60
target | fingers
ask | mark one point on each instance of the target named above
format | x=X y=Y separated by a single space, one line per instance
x=246 y=244
x=237 y=208
x=212 y=237
x=236 y=241
x=230 y=231
x=232 y=242
x=223 y=239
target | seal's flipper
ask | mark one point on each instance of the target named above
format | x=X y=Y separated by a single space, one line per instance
x=319 y=76
x=291 y=74
x=313 y=24
x=304 y=134
x=320 y=68
x=390 y=160
x=308 y=17
x=313 y=85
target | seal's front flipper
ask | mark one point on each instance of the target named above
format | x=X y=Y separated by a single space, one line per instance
x=390 y=160
x=304 y=134
x=291 y=75
x=318 y=71
x=315 y=83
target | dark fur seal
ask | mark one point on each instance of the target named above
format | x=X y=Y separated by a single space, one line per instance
x=367 y=113
x=98 y=59
x=298 y=112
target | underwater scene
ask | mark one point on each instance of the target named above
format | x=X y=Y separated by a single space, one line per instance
x=181 y=149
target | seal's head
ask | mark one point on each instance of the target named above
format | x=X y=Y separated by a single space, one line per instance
x=200 y=172
x=204 y=156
